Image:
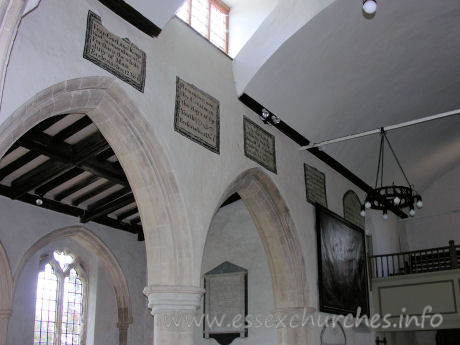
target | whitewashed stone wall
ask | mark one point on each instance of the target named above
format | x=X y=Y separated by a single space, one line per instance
x=54 y=34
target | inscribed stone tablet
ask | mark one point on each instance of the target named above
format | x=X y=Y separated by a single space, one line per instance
x=259 y=145
x=225 y=297
x=315 y=182
x=197 y=115
x=114 y=54
x=352 y=209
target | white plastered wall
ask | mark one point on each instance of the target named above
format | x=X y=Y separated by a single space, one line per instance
x=53 y=35
x=233 y=237
x=23 y=225
x=244 y=19
x=438 y=221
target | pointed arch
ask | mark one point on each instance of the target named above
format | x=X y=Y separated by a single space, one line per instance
x=6 y=281
x=99 y=249
x=277 y=233
x=167 y=232
x=6 y=293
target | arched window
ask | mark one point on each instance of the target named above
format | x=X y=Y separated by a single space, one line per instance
x=61 y=300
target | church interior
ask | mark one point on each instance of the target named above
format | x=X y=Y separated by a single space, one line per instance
x=288 y=167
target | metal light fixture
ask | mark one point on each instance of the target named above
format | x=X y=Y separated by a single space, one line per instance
x=382 y=196
x=265 y=114
x=269 y=118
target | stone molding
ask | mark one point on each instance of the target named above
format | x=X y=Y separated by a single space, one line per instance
x=173 y=299
x=5 y=314
x=277 y=232
x=6 y=281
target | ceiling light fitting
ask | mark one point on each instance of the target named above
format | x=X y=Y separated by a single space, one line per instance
x=382 y=196
x=369 y=6
x=266 y=117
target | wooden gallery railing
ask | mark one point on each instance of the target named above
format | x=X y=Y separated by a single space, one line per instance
x=418 y=261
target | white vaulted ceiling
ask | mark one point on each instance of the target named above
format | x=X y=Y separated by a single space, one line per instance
x=327 y=71
x=342 y=73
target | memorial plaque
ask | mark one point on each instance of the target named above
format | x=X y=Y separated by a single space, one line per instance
x=315 y=182
x=226 y=299
x=114 y=54
x=259 y=145
x=352 y=209
x=333 y=335
x=197 y=115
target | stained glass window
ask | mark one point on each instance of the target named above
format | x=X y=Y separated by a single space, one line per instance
x=60 y=301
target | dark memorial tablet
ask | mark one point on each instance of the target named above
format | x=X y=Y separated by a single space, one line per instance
x=315 y=182
x=259 y=145
x=114 y=54
x=197 y=115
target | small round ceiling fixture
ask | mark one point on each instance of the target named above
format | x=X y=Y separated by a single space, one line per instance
x=370 y=6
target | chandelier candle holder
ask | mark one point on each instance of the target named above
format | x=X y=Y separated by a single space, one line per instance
x=382 y=196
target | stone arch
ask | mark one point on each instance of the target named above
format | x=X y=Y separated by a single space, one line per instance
x=6 y=293
x=98 y=248
x=278 y=235
x=167 y=232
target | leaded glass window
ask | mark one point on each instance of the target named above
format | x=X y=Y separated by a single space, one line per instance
x=209 y=18
x=60 y=303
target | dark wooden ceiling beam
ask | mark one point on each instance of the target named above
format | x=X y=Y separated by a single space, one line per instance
x=109 y=198
x=64 y=152
x=37 y=177
x=59 y=137
x=39 y=128
x=132 y=16
x=61 y=179
x=106 y=170
x=88 y=147
x=93 y=192
x=17 y=164
x=104 y=155
x=112 y=206
x=71 y=156
x=128 y=213
x=136 y=220
x=76 y=187
x=44 y=144
x=73 y=129
x=71 y=211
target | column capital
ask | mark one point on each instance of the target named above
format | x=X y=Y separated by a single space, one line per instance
x=173 y=298
x=5 y=313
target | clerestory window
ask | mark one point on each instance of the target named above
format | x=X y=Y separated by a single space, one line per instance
x=209 y=18
x=61 y=300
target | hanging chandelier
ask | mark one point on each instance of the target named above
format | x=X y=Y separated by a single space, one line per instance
x=382 y=196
